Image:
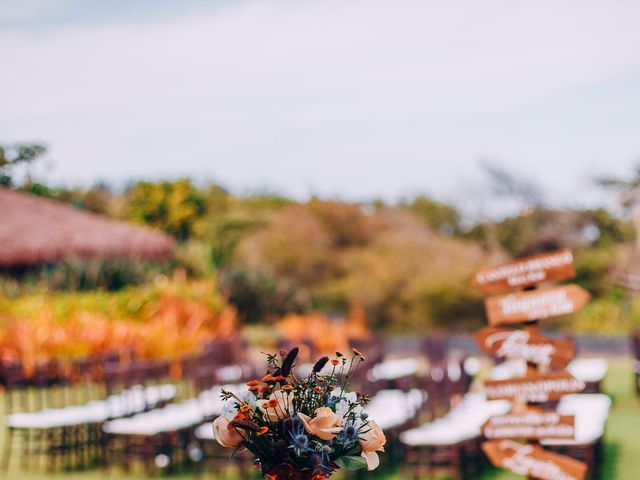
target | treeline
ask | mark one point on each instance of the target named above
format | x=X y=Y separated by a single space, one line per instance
x=407 y=264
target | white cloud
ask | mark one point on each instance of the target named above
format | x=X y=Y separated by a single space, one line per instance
x=357 y=98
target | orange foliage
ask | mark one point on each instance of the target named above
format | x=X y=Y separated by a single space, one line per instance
x=327 y=335
x=173 y=324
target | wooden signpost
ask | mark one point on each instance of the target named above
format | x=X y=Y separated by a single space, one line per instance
x=525 y=344
x=535 y=305
x=513 y=335
x=525 y=272
x=532 y=425
x=533 y=461
x=534 y=388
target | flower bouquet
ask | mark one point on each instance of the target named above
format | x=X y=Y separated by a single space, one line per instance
x=302 y=428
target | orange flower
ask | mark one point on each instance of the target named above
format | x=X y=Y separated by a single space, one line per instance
x=358 y=352
x=245 y=408
x=264 y=388
x=262 y=431
x=255 y=387
x=240 y=416
x=253 y=383
x=335 y=362
x=267 y=378
x=287 y=387
x=278 y=378
x=317 y=390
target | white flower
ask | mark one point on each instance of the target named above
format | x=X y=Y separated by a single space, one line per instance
x=230 y=409
x=343 y=406
x=249 y=398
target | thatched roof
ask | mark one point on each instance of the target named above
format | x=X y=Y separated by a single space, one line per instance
x=35 y=230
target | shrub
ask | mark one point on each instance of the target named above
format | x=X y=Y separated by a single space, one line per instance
x=259 y=297
x=162 y=320
x=77 y=274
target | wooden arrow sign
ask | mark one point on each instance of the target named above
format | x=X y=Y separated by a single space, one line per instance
x=533 y=461
x=537 y=304
x=535 y=388
x=525 y=272
x=531 y=425
x=525 y=344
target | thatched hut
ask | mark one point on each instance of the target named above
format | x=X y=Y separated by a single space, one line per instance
x=35 y=230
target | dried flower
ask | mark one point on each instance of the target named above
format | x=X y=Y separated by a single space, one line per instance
x=245 y=425
x=319 y=365
x=287 y=363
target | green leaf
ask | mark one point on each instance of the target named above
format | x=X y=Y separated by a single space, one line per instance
x=351 y=463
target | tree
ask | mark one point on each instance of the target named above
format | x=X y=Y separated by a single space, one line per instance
x=17 y=154
x=439 y=216
x=629 y=197
x=176 y=207
x=507 y=185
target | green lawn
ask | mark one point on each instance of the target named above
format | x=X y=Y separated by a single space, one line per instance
x=622 y=457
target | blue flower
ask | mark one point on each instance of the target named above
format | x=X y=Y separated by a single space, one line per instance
x=318 y=462
x=299 y=441
x=348 y=436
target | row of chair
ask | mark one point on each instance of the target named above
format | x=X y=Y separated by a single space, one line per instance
x=71 y=436
x=635 y=350
x=452 y=443
x=181 y=433
x=68 y=431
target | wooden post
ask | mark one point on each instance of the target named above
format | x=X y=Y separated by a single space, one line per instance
x=525 y=310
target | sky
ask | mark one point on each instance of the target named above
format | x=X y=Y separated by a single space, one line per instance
x=348 y=99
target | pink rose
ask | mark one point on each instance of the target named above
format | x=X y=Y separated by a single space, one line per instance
x=279 y=405
x=372 y=441
x=324 y=425
x=224 y=434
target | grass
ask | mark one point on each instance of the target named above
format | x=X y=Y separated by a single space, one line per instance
x=622 y=451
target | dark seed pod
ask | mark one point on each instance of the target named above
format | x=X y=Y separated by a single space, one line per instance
x=245 y=425
x=288 y=424
x=287 y=363
x=320 y=364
